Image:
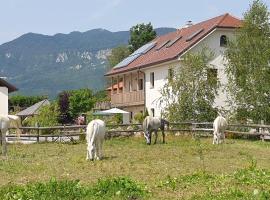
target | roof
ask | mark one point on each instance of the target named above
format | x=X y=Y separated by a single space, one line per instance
x=111 y=111
x=11 y=88
x=185 y=41
x=33 y=110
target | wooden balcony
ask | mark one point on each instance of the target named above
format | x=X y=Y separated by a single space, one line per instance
x=127 y=98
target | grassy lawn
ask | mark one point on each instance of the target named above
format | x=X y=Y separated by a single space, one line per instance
x=181 y=169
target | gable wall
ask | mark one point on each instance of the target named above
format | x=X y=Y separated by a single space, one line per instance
x=3 y=101
x=161 y=72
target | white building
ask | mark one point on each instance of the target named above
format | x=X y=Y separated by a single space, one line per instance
x=5 y=88
x=151 y=63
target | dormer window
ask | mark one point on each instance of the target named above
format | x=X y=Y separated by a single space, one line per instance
x=223 y=41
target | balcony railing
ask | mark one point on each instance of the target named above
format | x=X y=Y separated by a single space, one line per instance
x=128 y=98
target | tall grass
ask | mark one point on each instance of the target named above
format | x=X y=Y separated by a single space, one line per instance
x=110 y=188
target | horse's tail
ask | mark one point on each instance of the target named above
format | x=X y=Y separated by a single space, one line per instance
x=91 y=131
x=145 y=123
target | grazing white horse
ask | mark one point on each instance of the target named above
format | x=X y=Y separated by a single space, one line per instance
x=95 y=134
x=10 y=121
x=219 y=126
x=4 y=125
x=6 y=121
x=151 y=124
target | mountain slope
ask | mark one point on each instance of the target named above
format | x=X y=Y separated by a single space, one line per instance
x=40 y=64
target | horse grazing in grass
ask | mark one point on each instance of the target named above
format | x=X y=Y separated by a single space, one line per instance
x=152 y=124
x=5 y=123
x=95 y=135
x=219 y=126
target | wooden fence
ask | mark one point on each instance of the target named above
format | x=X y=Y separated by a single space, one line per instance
x=112 y=129
x=57 y=133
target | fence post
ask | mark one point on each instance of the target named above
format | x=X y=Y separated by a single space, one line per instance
x=4 y=144
x=38 y=133
x=261 y=130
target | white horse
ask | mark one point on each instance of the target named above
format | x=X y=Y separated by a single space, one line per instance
x=95 y=134
x=151 y=124
x=220 y=124
x=7 y=121
x=4 y=126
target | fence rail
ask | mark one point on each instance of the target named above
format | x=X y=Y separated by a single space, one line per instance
x=78 y=130
x=69 y=132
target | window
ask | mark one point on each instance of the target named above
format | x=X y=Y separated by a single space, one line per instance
x=223 y=41
x=153 y=112
x=140 y=84
x=152 y=80
x=170 y=74
x=212 y=76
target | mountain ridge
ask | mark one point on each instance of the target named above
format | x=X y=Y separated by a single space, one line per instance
x=47 y=64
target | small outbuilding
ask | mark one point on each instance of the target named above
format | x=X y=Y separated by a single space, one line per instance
x=5 y=89
x=33 y=110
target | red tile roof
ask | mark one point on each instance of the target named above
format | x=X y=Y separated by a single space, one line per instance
x=180 y=46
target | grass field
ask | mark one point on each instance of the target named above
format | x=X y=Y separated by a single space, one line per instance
x=183 y=168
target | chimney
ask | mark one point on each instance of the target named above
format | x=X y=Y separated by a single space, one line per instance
x=188 y=24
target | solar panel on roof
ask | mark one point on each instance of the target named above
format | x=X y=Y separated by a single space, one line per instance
x=127 y=60
x=173 y=41
x=162 y=45
x=145 y=48
x=194 y=34
x=142 y=50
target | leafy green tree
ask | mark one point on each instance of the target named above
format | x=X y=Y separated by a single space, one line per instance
x=47 y=116
x=190 y=91
x=248 y=69
x=117 y=55
x=140 y=34
x=80 y=101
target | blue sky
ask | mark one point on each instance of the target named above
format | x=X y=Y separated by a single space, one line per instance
x=63 y=16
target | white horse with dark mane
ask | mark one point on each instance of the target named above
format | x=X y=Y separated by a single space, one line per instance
x=220 y=124
x=7 y=121
x=95 y=135
x=152 y=124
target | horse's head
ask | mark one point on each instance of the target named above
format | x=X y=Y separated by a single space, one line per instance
x=147 y=136
x=91 y=151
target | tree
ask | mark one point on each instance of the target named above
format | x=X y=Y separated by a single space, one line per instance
x=80 y=101
x=63 y=103
x=248 y=68
x=190 y=91
x=140 y=34
x=117 y=55
x=47 y=116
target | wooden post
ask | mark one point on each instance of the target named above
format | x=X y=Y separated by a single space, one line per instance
x=138 y=77
x=261 y=130
x=4 y=144
x=117 y=84
x=38 y=133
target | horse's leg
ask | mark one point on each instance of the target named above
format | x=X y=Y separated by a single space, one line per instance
x=100 y=150
x=155 y=136
x=4 y=142
x=163 y=136
x=150 y=137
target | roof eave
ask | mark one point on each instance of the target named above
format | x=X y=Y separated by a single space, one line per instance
x=11 y=88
